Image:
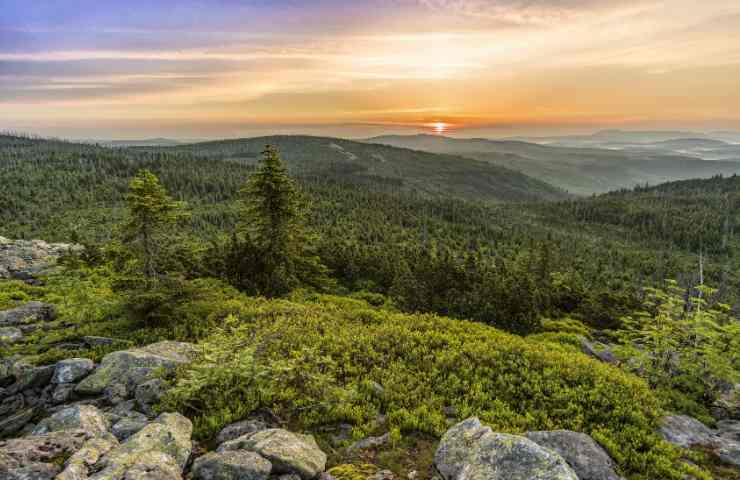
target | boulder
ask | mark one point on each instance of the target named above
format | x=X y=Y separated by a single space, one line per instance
x=369 y=442
x=126 y=369
x=16 y=421
x=29 y=377
x=598 y=351
x=474 y=452
x=43 y=448
x=62 y=392
x=71 y=370
x=149 y=393
x=10 y=335
x=28 y=316
x=148 y=465
x=77 y=417
x=78 y=465
x=239 y=429
x=160 y=449
x=129 y=425
x=685 y=431
x=9 y=470
x=231 y=465
x=729 y=429
x=586 y=457
x=288 y=452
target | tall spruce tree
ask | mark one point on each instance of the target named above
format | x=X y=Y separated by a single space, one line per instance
x=274 y=247
x=152 y=216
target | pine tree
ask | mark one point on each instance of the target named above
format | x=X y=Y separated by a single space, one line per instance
x=152 y=215
x=276 y=247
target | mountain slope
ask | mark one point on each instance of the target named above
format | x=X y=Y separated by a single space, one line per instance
x=579 y=170
x=409 y=170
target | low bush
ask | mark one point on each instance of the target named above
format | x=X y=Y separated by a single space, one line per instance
x=320 y=360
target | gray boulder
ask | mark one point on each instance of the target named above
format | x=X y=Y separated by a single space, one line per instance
x=160 y=450
x=78 y=417
x=583 y=454
x=369 y=442
x=149 y=393
x=231 y=465
x=72 y=370
x=129 y=425
x=288 y=452
x=729 y=429
x=239 y=429
x=16 y=421
x=126 y=369
x=28 y=317
x=38 y=453
x=474 y=452
x=684 y=431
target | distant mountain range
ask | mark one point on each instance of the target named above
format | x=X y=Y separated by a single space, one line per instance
x=149 y=142
x=575 y=163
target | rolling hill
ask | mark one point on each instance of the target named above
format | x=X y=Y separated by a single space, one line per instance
x=405 y=169
x=580 y=170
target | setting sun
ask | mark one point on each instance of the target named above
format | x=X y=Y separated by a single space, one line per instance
x=439 y=127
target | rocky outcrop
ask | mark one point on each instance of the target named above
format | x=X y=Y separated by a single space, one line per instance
x=37 y=457
x=684 y=431
x=121 y=372
x=474 y=452
x=586 y=457
x=287 y=452
x=26 y=259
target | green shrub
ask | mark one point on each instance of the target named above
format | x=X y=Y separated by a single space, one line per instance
x=315 y=363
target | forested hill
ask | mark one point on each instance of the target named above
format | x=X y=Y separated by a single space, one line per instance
x=579 y=170
x=408 y=170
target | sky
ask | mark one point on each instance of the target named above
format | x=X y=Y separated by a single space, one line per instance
x=227 y=68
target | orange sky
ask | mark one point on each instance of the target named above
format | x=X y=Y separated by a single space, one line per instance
x=230 y=68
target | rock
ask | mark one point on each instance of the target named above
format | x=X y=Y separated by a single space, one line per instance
x=78 y=417
x=599 y=351
x=15 y=422
x=43 y=448
x=288 y=452
x=369 y=442
x=29 y=377
x=727 y=405
x=729 y=429
x=24 y=259
x=586 y=457
x=685 y=431
x=148 y=465
x=160 y=450
x=71 y=370
x=471 y=451
x=32 y=471
x=130 y=368
x=238 y=429
x=62 y=392
x=149 y=393
x=231 y=465
x=9 y=335
x=129 y=425
x=78 y=465
x=28 y=316
x=729 y=452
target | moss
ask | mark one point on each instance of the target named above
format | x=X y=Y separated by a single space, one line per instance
x=362 y=471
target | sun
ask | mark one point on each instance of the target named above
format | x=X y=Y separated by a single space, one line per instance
x=438 y=127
